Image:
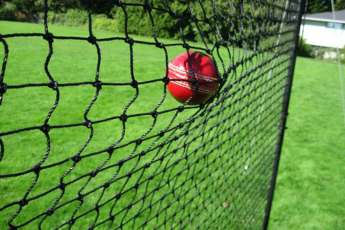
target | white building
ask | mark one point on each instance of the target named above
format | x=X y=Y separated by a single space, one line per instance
x=320 y=29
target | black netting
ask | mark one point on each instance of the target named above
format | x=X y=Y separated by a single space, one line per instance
x=133 y=157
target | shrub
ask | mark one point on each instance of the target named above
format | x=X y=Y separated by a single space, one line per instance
x=8 y=12
x=53 y=18
x=304 y=49
x=80 y=18
x=342 y=55
x=59 y=19
x=99 y=16
x=76 y=18
x=318 y=53
x=105 y=24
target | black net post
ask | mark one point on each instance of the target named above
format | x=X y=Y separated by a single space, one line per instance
x=285 y=108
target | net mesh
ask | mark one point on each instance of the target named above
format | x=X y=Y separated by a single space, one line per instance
x=90 y=137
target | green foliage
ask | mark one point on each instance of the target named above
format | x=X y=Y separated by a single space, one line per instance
x=205 y=30
x=76 y=18
x=62 y=6
x=8 y=11
x=53 y=18
x=342 y=55
x=105 y=24
x=304 y=49
x=71 y=18
x=327 y=53
x=79 y=18
x=100 y=6
x=339 y=5
x=206 y=26
x=317 y=6
x=201 y=20
x=166 y=25
x=27 y=10
x=318 y=53
x=216 y=25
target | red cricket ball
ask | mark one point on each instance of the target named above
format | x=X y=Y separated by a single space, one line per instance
x=182 y=84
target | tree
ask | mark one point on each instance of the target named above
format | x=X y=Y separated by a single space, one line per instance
x=165 y=23
x=318 y=6
x=28 y=9
x=340 y=5
x=62 y=6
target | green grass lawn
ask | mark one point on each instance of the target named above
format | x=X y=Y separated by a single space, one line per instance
x=309 y=188
x=190 y=169
x=75 y=61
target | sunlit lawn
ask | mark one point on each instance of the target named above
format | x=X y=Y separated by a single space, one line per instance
x=310 y=191
x=310 y=186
